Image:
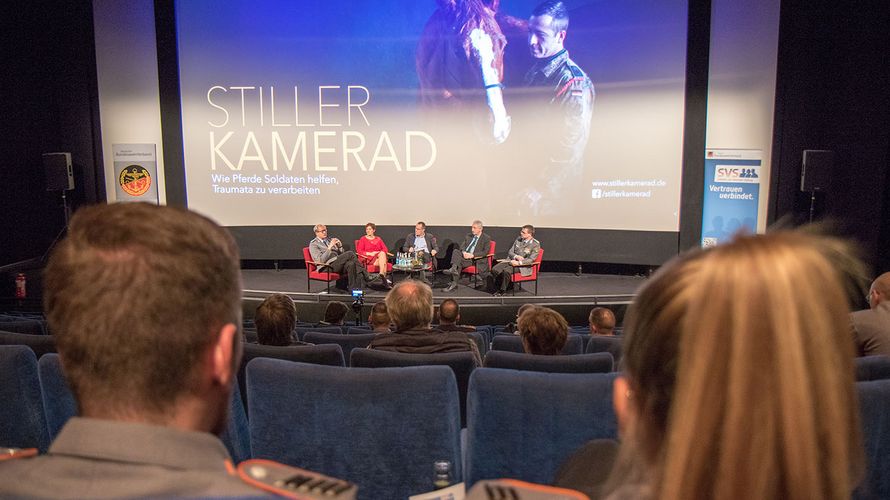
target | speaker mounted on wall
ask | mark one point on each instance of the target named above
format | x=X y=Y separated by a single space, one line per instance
x=815 y=173
x=58 y=172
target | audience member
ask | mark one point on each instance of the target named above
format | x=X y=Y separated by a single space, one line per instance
x=145 y=305
x=602 y=321
x=379 y=318
x=449 y=316
x=410 y=307
x=275 y=320
x=737 y=383
x=543 y=331
x=334 y=314
x=872 y=326
x=511 y=327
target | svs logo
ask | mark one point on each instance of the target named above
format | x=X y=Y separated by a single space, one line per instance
x=737 y=174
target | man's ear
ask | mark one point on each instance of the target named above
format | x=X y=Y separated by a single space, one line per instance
x=561 y=35
x=621 y=395
x=222 y=357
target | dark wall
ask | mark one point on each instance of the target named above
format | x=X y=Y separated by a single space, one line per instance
x=832 y=93
x=48 y=105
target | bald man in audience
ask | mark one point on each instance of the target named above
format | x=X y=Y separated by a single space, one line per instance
x=410 y=307
x=449 y=317
x=602 y=321
x=872 y=326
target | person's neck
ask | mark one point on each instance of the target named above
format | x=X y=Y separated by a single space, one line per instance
x=188 y=414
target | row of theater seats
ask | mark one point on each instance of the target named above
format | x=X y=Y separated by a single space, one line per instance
x=383 y=428
x=50 y=397
x=486 y=337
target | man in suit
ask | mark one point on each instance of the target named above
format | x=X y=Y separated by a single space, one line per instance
x=523 y=252
x=330 y=251
x=872 y=326
x=424 y=244
x=471 y=251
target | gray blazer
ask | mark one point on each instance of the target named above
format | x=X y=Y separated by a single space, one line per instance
x=526 y=252
x=318 y=249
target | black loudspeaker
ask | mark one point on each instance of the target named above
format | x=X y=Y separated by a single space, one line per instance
x=815 y=175
x=58 y=172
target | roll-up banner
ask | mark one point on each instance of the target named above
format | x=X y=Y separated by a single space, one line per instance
x=732 y=189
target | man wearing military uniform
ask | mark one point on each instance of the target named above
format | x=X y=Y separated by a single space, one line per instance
x=570 y=95
x=144 y=302
x=523 y=252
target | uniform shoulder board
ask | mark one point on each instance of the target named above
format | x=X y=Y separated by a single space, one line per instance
x=520 y=490
x=576 y=71
x=536 y=241
x=293 y=482
x=14 y=453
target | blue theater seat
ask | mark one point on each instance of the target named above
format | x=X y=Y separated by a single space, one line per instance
x=381 y=428
x=874 y=411
x=574 y=344
x=523 y=425
x=600 y=362
x=462 y=363
x=22 y=420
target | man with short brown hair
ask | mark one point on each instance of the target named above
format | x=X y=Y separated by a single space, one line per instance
x=601 y=321
x=379 y=318
x=275 y=320
x=410 y=307
x=145 y=305
x=543 y=331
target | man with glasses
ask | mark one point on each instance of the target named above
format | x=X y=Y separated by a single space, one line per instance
x=523 y=252
x=330 y=252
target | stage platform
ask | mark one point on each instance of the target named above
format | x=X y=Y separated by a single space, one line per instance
x=570 y=294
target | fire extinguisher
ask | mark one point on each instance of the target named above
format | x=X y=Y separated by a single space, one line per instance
x=21 y=282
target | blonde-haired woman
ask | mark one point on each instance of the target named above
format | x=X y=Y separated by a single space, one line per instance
x=738 y=376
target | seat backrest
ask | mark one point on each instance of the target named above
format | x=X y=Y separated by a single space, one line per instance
x=462 y=363
x=22 y=418
x=600 y=362
x=353 y=330
x=303 y=330
x=322 y=354
x=872 y=368
x=523 y=424
x=22 y=325
x=874 y=411
x=61 y=406
x=40 y=344
x=513 y=343
x=614 y=345
x=479 y=338
x=380 y=428
x=346 y=342
x=57 y=396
